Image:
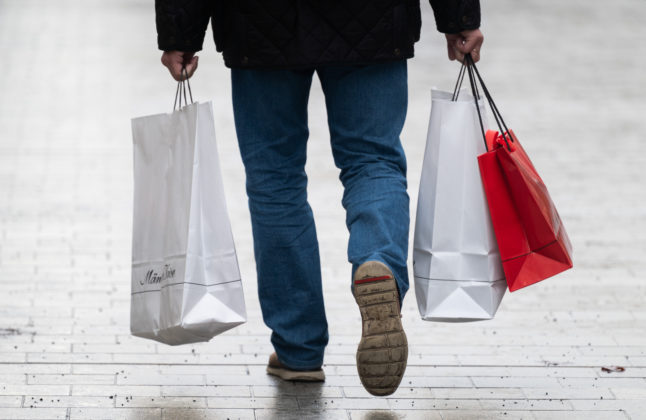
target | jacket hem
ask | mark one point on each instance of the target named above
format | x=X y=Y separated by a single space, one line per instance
x=304 y=66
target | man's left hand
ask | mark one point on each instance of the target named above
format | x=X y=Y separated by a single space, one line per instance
x=466 y=42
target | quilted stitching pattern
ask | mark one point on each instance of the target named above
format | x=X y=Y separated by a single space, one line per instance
x=453 y=16
x=302 y=33
x=181 y=23
x=305 y=33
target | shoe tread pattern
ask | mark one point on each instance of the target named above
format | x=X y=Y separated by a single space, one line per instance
x=383 y=350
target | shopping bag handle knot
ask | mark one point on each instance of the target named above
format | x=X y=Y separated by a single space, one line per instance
x=496 y=139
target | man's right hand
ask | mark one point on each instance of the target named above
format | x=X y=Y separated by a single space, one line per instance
x=175 y=60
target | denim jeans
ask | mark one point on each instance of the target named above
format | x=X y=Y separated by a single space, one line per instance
x=366 y=108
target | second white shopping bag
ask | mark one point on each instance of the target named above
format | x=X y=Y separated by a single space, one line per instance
x=186 y=283
x=456 y=263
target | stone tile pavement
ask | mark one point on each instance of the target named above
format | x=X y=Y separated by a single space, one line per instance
x=570 y=78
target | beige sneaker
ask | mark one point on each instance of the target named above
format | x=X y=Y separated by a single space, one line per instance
x=383 y=349
x=275 y=368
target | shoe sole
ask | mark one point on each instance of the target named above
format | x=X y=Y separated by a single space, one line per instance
x=383 y=349
x=298 y=376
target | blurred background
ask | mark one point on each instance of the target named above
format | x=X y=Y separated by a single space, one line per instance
x=568 y=77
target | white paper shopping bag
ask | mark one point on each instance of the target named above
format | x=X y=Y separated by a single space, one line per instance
x=457 y=268
x=186 y=283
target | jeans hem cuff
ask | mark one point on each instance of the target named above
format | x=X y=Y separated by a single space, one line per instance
x=300 y=366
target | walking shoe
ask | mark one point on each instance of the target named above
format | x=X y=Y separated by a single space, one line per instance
x=383 y=349
x=275 y=368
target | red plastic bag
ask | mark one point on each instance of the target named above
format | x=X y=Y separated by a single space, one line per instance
x=532 y=240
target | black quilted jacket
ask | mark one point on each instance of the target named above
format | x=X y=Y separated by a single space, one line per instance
x=306 y=33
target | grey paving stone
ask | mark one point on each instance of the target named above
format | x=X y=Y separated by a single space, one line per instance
x=568 y=393
x=116 y=390
x=206 y=391
x=630 y=393
x=39 y=401
x=69 y=358
x=343 y=381
x=159 y=379
x=33 y=413
x=477 y=393
x=580 y=415
x=299 y=390
x=636 y=360
x=205 y=369
x=630 y=406
x=161 y=402
x=12 y=379
x=114 y=348
x=402 y=392
x=201 y=414
x=485 y=415
x=114 y=369
x=177 y=359
x=116 y=414
x=630 y=372
x=17 y=368
x=281 y=402
x=525 y=404
x=608 y=382
x=11 y=401
x=514 y=381
x=268 y=414
x=34 y=389
x=262 y=379
x=71 y=379
x=394 y=415
x=12 y=357
x=434 y=404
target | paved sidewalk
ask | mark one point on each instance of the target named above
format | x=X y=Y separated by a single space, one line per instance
x=569 y=76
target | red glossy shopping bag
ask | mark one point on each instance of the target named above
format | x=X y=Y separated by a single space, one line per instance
x=531 y=238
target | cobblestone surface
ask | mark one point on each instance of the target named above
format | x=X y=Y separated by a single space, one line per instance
x=570 y=78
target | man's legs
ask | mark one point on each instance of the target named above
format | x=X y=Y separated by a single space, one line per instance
x=366 y=111
x=366 y=108
x=270 y=109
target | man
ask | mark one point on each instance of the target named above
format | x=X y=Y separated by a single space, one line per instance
x=358 y=49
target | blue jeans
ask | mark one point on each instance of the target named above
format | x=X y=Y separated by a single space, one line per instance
x=366 y=108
